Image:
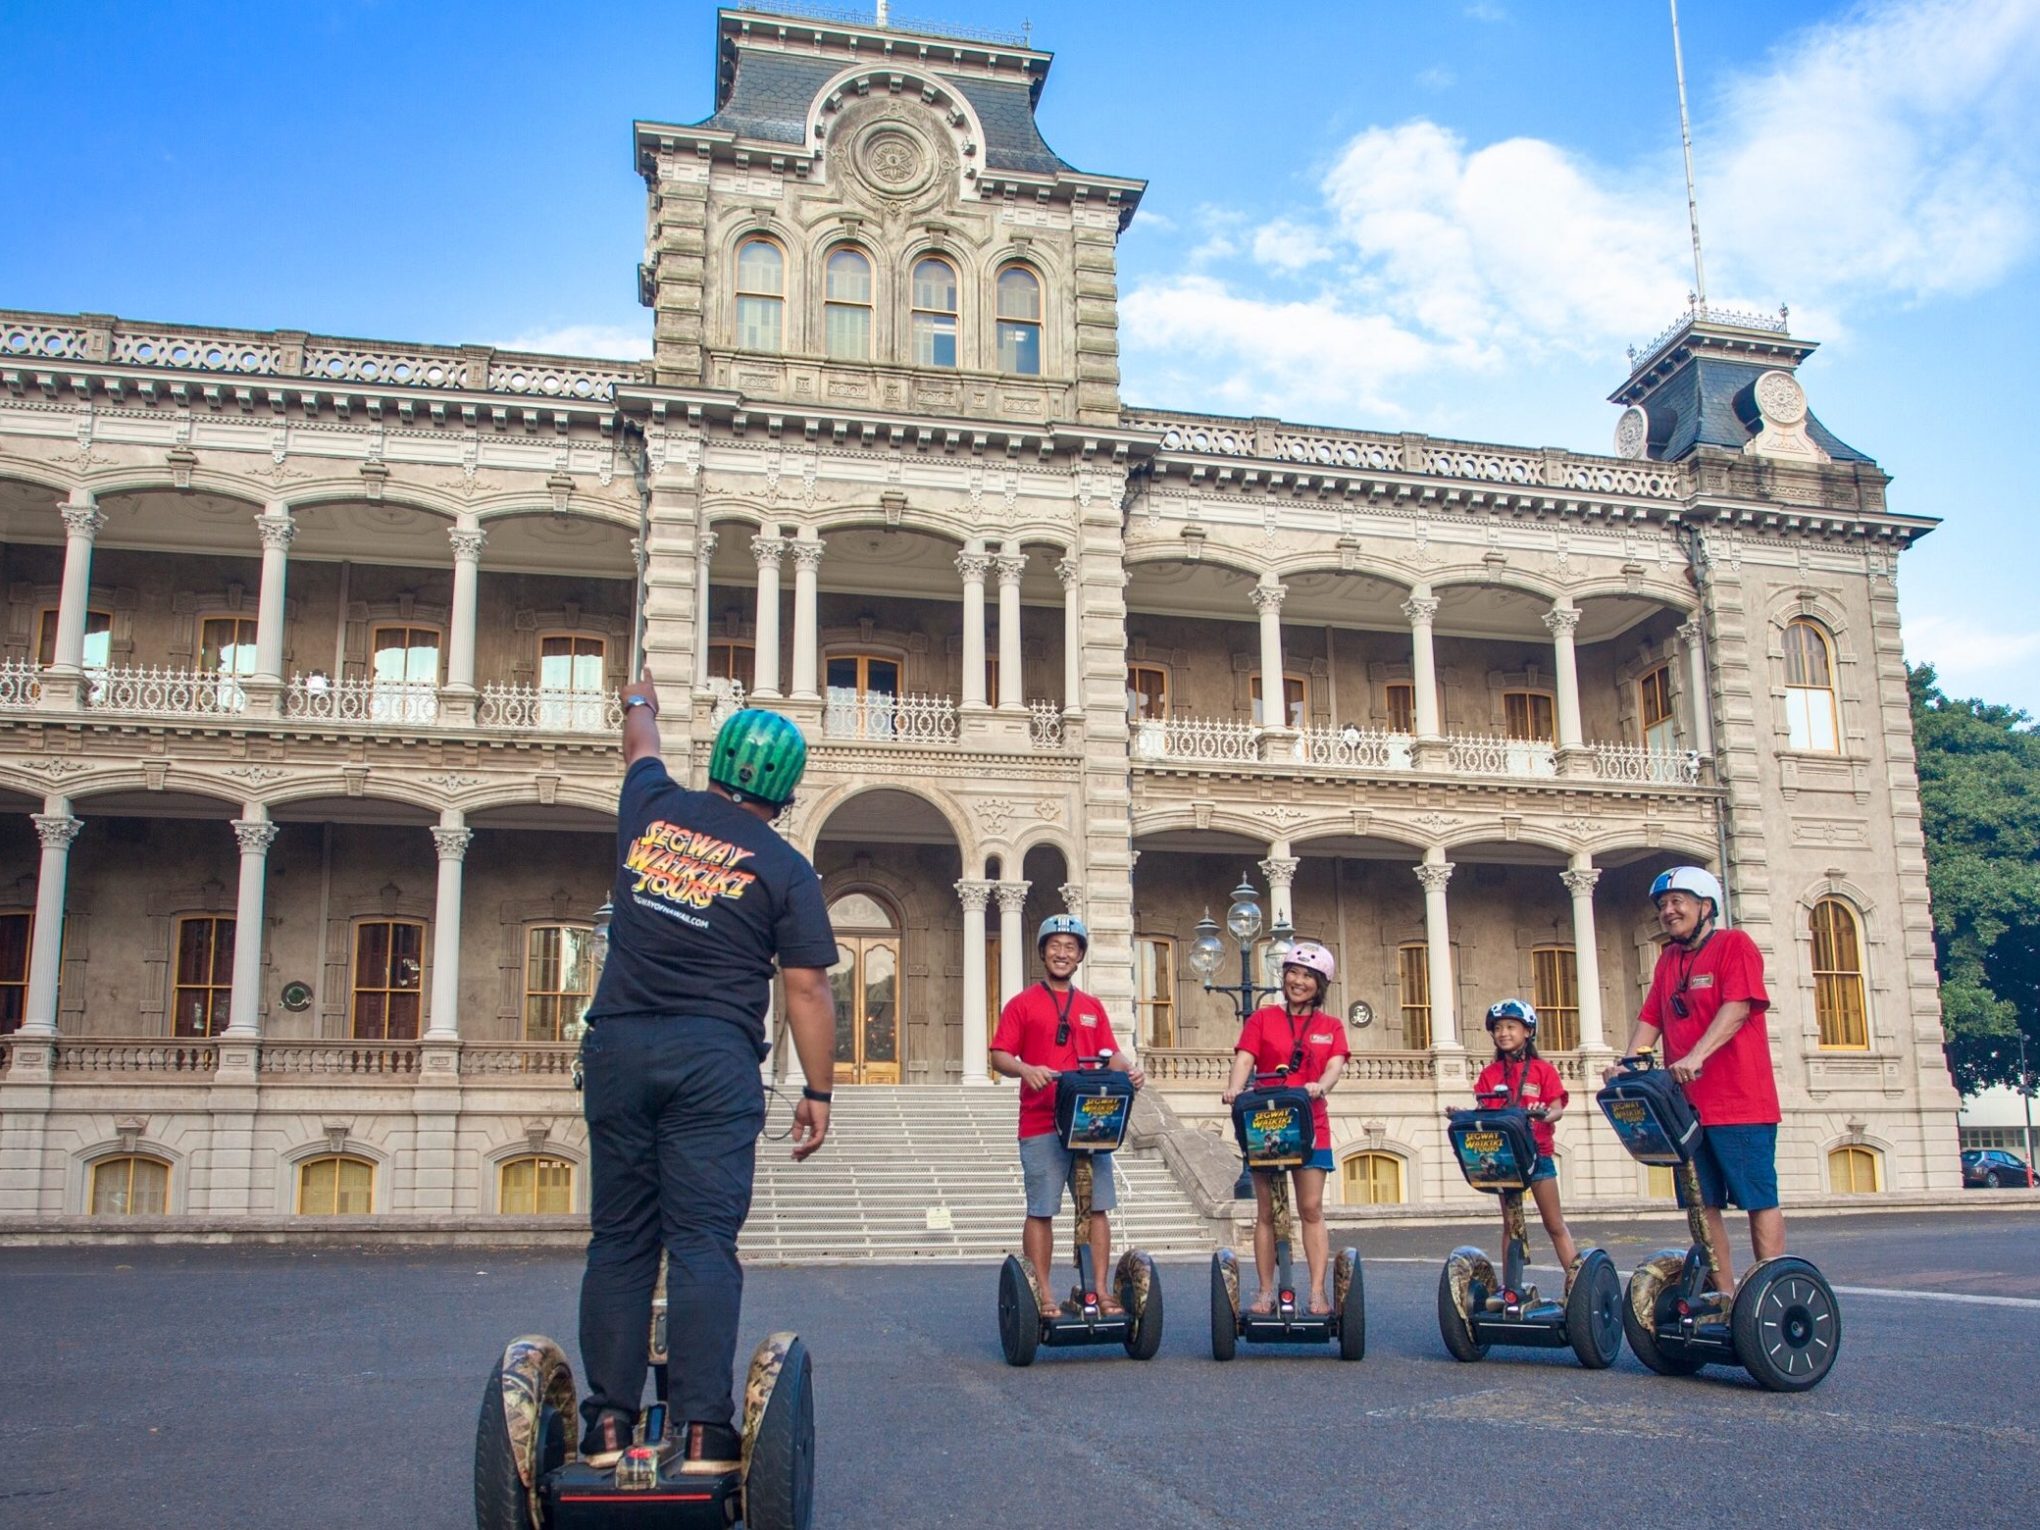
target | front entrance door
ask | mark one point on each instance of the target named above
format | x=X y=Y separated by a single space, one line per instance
x=865 y=984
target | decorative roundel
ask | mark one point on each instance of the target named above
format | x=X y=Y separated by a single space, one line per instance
x=1780 y=399
x=1632 y=434
x=892 y=160
x=1361 y=1014
x=296 y=996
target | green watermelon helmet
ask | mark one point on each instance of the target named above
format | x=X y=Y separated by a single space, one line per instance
x=760 y=755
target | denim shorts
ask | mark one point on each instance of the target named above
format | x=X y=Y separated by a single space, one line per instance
x=1738 y=1166
x=1545 y=1169
x=1046 y=1166
x=1320 y=1158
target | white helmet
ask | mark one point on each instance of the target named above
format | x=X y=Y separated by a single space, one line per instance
x=1689 y=879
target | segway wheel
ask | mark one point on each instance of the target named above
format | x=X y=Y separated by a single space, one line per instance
x=1639 y=1314
x=520 y=1432
x=1458 y=1290
x=1593 y=1312
x=779 y=1447
x=1140 y=1293
x=1787 y=1325
x=1019 y=1314
x=1225 y=1310
x=1349 y=1300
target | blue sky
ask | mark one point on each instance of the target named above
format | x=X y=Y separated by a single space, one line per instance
x=1446 y=217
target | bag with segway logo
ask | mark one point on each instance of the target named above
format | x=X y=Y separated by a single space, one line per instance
x=1496 y=1148
x=1093 y=1110
x=1274 y=1126
x=1651 y=1115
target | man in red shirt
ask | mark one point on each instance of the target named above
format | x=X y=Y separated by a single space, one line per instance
x=1044 y=1030
x=1707 y=1001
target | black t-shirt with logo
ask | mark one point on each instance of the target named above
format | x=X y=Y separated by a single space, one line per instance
x=707 y=896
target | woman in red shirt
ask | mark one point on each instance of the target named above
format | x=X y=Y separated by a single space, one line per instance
x=1299 y=1035
x=1518 y=1076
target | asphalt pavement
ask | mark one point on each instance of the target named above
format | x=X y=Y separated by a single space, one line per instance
x=257 y=1387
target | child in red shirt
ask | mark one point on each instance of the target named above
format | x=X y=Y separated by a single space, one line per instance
x=1518 y=1076
x=1299 y=1035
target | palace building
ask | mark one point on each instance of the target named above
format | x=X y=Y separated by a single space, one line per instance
x=311 y=650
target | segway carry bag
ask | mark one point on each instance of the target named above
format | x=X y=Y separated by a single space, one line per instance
x=1093 y=1110
x=1651 y=1115
x=1275 y=1127
x=1496 y=1149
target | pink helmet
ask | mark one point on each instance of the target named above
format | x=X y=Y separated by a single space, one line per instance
x=1313 y=956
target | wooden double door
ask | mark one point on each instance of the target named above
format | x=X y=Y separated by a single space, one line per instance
x=865 y=982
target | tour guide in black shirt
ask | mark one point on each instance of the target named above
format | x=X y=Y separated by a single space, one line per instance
x=707 y=897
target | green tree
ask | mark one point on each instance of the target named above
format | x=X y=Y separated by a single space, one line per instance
x=1979 y=769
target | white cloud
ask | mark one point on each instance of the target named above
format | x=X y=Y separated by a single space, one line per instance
x=1437 y=77
x=612 y=341
x=1486 y=12
x=1960 y=649
x=1887 y=157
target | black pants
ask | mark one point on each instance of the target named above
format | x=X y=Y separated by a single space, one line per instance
x=674 y=1110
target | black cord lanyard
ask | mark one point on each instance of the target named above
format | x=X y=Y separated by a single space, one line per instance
x=1296 y=1037
x=1062 y=1013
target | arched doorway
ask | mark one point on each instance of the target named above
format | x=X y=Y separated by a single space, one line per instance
x=865 y=984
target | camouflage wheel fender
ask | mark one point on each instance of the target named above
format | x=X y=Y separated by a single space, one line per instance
x=535 y=1376
x=1042 y=1305
x=656 y=1341
x=1470 y=1266
x=1132 y=1275
x=1652 y=1276
x=1229 y=1272
x=1579 y=1260
x=1342 y=1276
x=766 y=1362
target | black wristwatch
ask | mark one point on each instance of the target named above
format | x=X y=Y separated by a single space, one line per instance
x=819 y=1096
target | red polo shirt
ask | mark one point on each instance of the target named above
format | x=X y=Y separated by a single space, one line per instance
x=1271 y=1034
x=1736 y=1086
x=1530 y=1083
x=1027 y=1027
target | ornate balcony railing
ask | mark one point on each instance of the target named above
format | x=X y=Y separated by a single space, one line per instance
x=729 y=699
x=1470 y=754
x=318 y=699
x=127 y=1055
x=848 y=714
x=1354 y=747
x=529 y=710
x=148 y=692
x=20 y=685
x=1198 y=1065
x=1646 y=766
x=341 y=1059
x=1044 y=724
x=519 y=1061
x=1221 y=740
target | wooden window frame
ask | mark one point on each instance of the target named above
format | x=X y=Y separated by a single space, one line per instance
x=1393 y=695
x=760 y=296
x=559 y=927
x=355 y=989
x=127 y=1162
x=1369 y=1159
x=1558 y=1023
x=1159 y=670
x=1839 y=990
x=1155 y=1015
x=303 y=1169
x=1413 y=970
x=1850 y=1153
x=832 y=304
x=46 y=628
x=1654 y=709
x=377 y=629
x=1533 y=701
x=1296 y=677
x=864 y=659
x=1803 y=701
x=217 y=995
x=539 y=1164
x=1020 y=324
x=934 y=316
x=14 y=991
x=731 y=647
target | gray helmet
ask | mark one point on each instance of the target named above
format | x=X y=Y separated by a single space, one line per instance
x=1062 y=924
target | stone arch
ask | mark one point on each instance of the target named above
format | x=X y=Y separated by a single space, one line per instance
x=28 y=470
x=1406 y=1156
x=398 y=493
x=720 y=288
x=896 y=75
x=87 y=1157
x=291 y=1159
x=1359 y=562
x=1501 y=576
x=494 y=1156
x=1216 y=557
x=946 y=527
x=819 y=811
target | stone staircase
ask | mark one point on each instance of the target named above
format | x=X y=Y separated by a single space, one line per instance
x=931 y=1171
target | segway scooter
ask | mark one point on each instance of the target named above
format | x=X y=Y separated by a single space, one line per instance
x=527 y=1475
x=1783 y=1326
x=1497 y=1152
x=1276 y=1132
x=1093 y=1109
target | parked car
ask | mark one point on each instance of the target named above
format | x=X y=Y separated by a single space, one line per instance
x=1995 y=1168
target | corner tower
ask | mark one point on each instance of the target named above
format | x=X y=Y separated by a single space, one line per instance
x=871 y=219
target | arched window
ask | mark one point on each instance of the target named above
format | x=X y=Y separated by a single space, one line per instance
x=1371 y=1179
x=336 y=1185
x=535 y=1186
x=934 y=313
x=1020 y=321
x=846 y=305
x=1855 y=1171
x=761 y=295
x=1810 y=688
x=130 y=1185
x=1838 y=976
x=865 y=984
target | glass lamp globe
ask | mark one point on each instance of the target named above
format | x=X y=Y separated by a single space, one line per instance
x=1205 y=951
x=1281 y=941
x=1244 y=917
x=600 y=952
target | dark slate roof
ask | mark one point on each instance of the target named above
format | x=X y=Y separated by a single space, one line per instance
x=1707 y=403
x=772 y=94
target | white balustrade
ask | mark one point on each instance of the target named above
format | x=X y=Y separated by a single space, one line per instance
x=1469 y=754
x=729 y=699
x=517 y=1061
x=850 y=714
x=543 y=710
x=1484 y=464
x=130 y=1056
x=196 y=352
x=1044 y=724
x=25 y=340
x=1642 y=764
x=1378 y=454
x=409 y=368
x=1183 y=737
x=340 y=1059
x=20 y=684
x=318 y=699
x=1354 y=747
x=551 y=377
x=148 y=692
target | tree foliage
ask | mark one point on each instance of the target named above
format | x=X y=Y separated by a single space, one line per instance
x=1979 y=770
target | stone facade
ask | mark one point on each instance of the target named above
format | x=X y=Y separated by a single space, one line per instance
x=321 y=638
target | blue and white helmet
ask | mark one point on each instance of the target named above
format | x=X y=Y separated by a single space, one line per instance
x=1062 y=924
x=1521 y=1010
x=1689 y=879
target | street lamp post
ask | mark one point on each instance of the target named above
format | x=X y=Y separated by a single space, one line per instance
x=1243 y=920
x=2026 y=1097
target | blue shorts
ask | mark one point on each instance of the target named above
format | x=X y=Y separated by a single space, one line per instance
x=1046 y=1166
x=1738 y=1166
x=1545 y=1169
x=1320 y=1158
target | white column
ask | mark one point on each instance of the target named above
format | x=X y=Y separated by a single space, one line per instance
x=973 y=564
x=1280 y=870
x=450 y=840
x=276 y=529
x=704 y=553
x=1012 y=947
x=1561 y=621
x=1068 y=571
x=82 y=520
x=460 y=638
x=255 y=834
x=1434 y=874
x=975 y=894
x=1421 y=609
x=1011 y=565
x=1697 y=702
x=807 y=563
x=1274 y=702
x=56 y=828
x=768 y=549
x=1579 y=879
